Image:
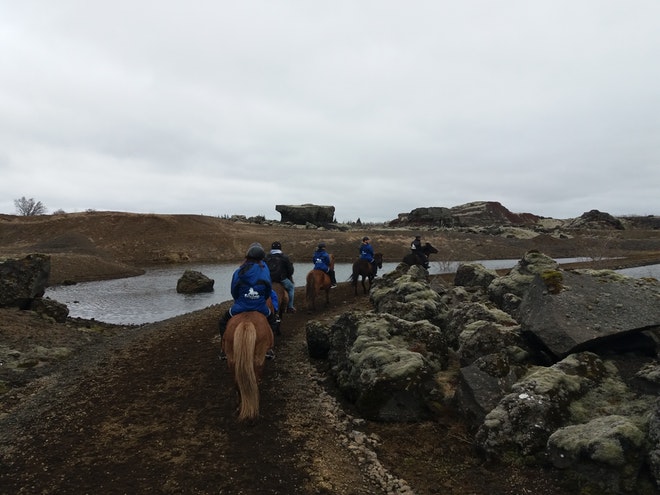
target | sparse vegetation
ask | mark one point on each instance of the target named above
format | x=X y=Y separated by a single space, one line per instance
x=29 y=207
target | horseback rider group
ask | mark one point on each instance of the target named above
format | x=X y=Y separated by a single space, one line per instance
x=251 y=284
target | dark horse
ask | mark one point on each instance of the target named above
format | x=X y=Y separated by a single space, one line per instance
x=316 y=281
x=246 y=340
x=412 y=259
x=363 y=268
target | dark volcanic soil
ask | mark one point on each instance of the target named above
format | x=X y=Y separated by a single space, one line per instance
x=152 y=409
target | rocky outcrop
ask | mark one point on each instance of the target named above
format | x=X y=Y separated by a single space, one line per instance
x=475 y=214
x=193 y=282
x=306 y=214
x=23 y=280
x=550 y=366
x=23 y=283
x=570 y=311
x=438 y=216
x=595 y=219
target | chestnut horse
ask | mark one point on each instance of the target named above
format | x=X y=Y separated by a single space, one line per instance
x=282 y=300
x=316 y=281
x=365 y=269
x=411 y=259
x=246 y=340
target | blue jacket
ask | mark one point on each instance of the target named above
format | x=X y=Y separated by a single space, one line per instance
x=321 y=260
x=367 y=252
x=250 y=288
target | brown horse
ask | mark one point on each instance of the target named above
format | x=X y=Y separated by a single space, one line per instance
x=246 y=340
x=316 y=281
x=411 y=259
x=365 y=269
x=282 y=298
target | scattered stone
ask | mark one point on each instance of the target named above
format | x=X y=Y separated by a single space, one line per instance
x=193 y=282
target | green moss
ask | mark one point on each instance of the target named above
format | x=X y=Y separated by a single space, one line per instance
x=553 y=280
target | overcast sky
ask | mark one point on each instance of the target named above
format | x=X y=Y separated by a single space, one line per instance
x=375 y=107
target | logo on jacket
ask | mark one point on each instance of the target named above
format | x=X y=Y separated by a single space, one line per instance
x=251 y=294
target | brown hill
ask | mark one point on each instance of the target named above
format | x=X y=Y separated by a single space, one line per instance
x=98 y=245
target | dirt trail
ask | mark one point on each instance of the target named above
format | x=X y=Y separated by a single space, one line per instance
x=153 y=411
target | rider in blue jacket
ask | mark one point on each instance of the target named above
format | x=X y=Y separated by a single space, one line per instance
x=321 y=260
x=367 y=253
x=250 y=288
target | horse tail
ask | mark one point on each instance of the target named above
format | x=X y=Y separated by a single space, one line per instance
x=355 y=273
x=245 y=339
x=310 y=289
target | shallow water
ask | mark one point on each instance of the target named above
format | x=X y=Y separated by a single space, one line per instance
x=152 y=297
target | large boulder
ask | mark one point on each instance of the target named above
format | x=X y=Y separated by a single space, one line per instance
x=434 y=215
x=507 y=291
x=567 y=311
x=307 y=213
x=383 y=364
x=23 y=280
x=407 y=294
x=605 y=453
x=193 y=282
x=537 y=406
x=474 y=275
x=654 y=441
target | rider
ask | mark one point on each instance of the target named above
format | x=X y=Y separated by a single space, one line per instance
x=321 y=260
x=281 y=270
x=416 y=248
x=251 y=288
x=367 y=253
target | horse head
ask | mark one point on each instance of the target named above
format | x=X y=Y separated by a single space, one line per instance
x=378 y=259
x=428 y=249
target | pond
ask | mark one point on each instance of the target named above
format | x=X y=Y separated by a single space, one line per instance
x=152 y=297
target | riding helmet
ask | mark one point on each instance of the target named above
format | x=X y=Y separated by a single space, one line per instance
x=276 y=245
x=255 y=251
x=321 y=245
x=365 y=238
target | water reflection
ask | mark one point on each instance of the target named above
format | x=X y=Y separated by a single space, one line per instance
x=152 y=297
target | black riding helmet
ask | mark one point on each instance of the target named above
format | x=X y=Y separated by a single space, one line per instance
x=255 y=252
x=321 y=245
x=276 y=245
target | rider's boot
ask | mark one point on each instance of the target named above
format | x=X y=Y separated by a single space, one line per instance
x=333 y=278
x=274 y=321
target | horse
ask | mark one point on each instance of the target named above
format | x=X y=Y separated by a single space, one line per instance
x=364 y=268
x=282 y=299
x=412 y=259
x=316 y=281
x=246 y=340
